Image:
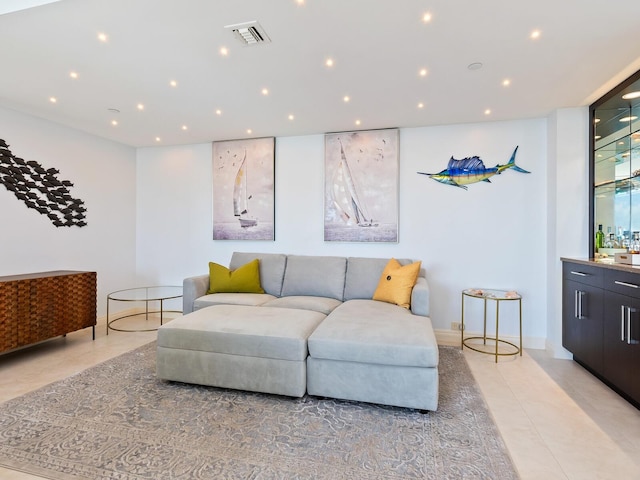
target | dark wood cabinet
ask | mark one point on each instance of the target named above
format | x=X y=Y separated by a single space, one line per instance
x=582 y=329
x=39 y=306
x=601 y=322
x=622 y=331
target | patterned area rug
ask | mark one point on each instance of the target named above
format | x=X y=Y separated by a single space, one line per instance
x=117 y=421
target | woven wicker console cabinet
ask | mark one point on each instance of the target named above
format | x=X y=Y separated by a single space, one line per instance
x=39 y=306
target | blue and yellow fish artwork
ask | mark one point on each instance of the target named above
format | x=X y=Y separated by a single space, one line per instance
x=461 y=173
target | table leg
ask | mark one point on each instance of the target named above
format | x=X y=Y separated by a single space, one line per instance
x=107 y=315
x=484 y=335
x=497 y=316
x=161 y=308
x=520 y=302
x=462 y=326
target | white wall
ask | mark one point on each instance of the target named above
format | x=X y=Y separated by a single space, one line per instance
x=567 y=208
x=103 y=174
x=493 y=236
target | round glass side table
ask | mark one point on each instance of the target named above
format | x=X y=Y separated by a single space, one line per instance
x=497 y=296
x=146 y=295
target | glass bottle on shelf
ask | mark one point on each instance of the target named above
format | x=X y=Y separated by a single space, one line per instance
x=599 y=238
x=635 y=244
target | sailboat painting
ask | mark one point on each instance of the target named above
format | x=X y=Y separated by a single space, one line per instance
x=361 y=186
x=243 y=189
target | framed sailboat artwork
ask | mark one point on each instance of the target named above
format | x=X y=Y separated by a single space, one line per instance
x=243 y=189
x=361 y=186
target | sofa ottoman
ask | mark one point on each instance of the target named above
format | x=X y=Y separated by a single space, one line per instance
x=374 y=352
x=239 y=347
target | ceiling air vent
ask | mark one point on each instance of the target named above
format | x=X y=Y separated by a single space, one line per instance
x=249 y=33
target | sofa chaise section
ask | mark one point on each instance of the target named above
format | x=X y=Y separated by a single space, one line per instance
x=374 y=352
x=240 y=347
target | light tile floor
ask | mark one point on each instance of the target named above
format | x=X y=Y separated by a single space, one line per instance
x=557 y=420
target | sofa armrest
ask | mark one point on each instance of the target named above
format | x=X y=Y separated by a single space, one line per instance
x=420 y=297
x=192 y=288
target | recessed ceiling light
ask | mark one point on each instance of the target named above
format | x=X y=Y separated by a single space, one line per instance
x=218 y=112
x=535 y=34
x=224 y=51
x=421 y=105
x=140 y=106
x=184 y=127
x=474 y=66
x=329 y=62
x=265 y=91
x=487 y=111
x=291 y=117
x=426 y=18
x=358 y=122
x=53 y=99
x=173 y=83
x=346 y=99
x=423 y=72
x=73 y=75
x=114 y=123
x=249 y=131
x=506 y=82
x=631 y=95
x=629 y=119
x=103 y=37
x=158 y=139
x=300 y=2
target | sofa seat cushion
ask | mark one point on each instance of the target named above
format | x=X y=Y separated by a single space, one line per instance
x=277 y=333
x=368 y=331
x=249 y=299
x=317 y=304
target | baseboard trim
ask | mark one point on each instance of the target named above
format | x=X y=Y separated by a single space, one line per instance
x=452 y=337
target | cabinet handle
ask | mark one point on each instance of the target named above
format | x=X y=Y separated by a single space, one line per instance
x=580 y=274
x=575 y=303
x=629 y=340
x=579 y=295
x=625 y=284
x=622 y=311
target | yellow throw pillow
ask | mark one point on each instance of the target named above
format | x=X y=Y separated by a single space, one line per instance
x=244 y=279
x=396 y=283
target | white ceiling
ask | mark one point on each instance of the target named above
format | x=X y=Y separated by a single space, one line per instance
x=378 y=48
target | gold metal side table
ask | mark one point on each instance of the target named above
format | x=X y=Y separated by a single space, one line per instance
x=497 y=296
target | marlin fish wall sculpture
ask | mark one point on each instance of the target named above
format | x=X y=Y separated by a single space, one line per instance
x=461 y=173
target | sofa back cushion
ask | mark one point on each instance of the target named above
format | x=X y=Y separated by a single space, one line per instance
x=315 y=276
x=363 y=275
x=272 y=267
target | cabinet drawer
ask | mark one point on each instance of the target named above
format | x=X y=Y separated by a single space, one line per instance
x=626 y=283
x=587 y=274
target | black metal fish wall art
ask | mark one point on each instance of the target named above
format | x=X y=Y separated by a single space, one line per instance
x=40 y=189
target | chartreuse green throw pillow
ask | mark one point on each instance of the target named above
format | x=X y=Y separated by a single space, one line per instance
x=396 y=283
x=244 y=279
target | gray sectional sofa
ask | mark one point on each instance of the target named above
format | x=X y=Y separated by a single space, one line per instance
x=315 y=330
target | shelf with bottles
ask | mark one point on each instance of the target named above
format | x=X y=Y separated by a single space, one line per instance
x=615 y=169
x=621 y=240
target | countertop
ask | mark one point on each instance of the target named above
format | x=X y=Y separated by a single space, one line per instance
x=604 y=263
